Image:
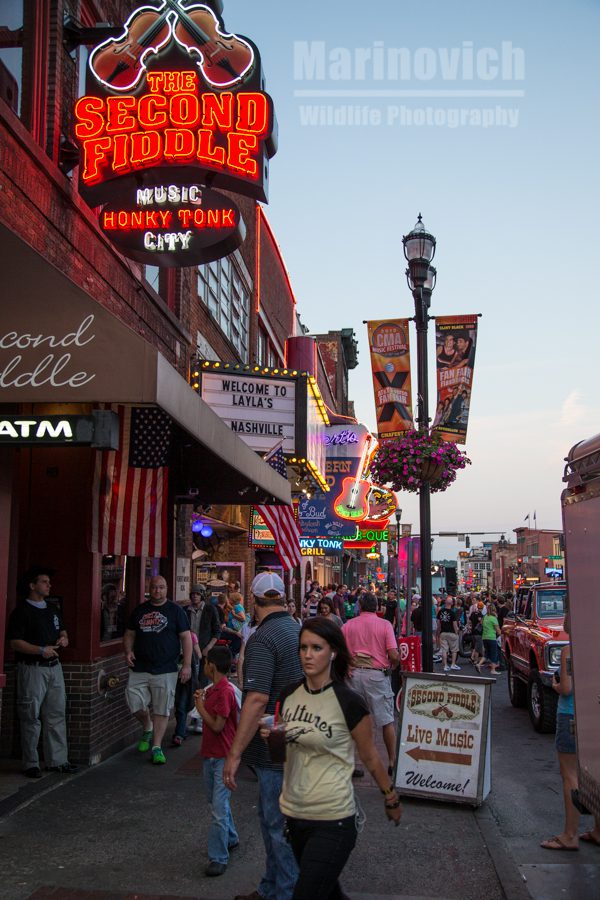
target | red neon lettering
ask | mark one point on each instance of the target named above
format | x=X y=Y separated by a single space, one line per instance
x=88 y=110
x=184 y=110
x=179 y=144
x=120 y=159
x=185 y=216
x=109 y=220
x=95 y=152
x=207 y=152
x=213 y=218
x=253 y=113
x=172 y=82
x=241 y=146
x=218 y=111
x=147 y=111
x=117 y=109
x=146 y=149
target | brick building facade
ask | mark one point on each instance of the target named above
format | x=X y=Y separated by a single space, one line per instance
x=149 y=327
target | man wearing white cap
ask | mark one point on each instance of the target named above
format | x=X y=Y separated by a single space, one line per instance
x=271 y=663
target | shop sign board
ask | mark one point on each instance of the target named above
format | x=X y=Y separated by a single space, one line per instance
x=262 y=411
x=183 y=579
x=154 y=226
x=344 y=447
x=321 y=546
x=174 y=102
x=99 y=430
x=444 y=740
x=259 y=533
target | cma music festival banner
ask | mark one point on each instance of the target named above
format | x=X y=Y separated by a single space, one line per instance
x=455 y=344
x=390 y=364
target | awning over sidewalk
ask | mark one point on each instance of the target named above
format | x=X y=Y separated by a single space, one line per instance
x=58 y=345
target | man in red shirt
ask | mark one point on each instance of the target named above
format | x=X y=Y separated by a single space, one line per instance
x=218 y=707
x=374 y=651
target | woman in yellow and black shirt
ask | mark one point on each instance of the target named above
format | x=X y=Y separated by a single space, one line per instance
x=325 y=720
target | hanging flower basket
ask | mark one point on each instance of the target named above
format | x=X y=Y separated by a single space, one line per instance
x=408 y=462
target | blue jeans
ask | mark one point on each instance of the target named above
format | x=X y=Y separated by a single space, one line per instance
x=281 y=873
x=183 y=704
x=221 y=831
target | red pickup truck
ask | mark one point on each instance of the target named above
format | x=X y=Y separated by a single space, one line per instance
x=532 y=640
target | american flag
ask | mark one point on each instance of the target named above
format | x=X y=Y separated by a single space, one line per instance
x=280 y=519
x=130 y=490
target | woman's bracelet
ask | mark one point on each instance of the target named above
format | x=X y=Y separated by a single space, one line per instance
x=393 y=805
x=387 y=791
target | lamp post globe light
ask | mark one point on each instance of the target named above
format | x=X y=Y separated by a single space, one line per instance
x=419 y=250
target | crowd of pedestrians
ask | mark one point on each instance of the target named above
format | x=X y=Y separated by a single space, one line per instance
x=315 y=683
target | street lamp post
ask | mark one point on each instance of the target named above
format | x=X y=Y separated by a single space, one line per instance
x=419 y=250
x=398 y=517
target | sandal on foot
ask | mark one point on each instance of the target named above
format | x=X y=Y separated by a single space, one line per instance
x=589 y=838
x=555 y=843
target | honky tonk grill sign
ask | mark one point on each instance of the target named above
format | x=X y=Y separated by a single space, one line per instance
x=174 y=107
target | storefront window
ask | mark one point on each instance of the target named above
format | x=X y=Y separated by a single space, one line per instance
x=223 y=290
x=113 y=610
x=11 y=56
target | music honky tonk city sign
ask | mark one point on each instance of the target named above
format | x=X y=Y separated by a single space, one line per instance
x=174 y=107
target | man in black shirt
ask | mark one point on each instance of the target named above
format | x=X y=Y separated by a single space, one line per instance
x=448 y=627
x=271 y=662
x=155 y=635
x=36 y=634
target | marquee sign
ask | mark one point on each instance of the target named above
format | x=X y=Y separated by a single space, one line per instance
x=261 y=411
x=175 y=101
x=267 y=407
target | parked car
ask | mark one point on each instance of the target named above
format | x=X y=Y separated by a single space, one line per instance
x=532 y=640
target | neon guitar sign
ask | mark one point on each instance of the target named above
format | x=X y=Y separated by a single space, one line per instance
x=224 y=59
x=352 y=501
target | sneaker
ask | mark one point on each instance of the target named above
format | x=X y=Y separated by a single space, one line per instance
x=235 y=846
x=215 y=868
x=144 y=744
x=456 y=668
x=437 y=657
x=66 y=769
x=158 y=757
x=32 y=772
x=177 y=741
x=446 y=668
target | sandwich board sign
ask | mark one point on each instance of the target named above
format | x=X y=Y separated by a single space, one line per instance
x=444 y=742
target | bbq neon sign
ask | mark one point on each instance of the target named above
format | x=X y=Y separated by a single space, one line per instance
x=179 y=103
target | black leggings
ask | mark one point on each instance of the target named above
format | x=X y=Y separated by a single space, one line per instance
x=321 y=850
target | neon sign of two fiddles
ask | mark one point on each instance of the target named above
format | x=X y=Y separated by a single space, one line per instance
x=224 y=59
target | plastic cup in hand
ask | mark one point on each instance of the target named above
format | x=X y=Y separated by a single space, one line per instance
x=276 y=743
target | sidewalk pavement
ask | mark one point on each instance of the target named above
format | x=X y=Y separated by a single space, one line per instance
x=128 y=829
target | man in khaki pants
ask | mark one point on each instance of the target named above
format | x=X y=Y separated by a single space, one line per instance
x=36 y=634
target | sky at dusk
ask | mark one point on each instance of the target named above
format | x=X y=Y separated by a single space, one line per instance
x=483 y=117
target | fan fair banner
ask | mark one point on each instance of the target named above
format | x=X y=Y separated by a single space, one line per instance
x=390 y=364
x=455 y=344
